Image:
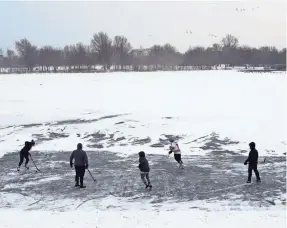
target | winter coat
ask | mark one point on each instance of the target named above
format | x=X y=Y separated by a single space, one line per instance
x=253 y=157
x=81 y=158
x=143 y=166
x=174 y=148
x=25 y=150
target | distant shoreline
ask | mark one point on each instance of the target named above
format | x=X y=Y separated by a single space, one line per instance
x=99 y=69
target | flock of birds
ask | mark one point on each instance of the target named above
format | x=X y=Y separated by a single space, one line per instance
x=210 y=34
x=215 y=36
x=188 y=32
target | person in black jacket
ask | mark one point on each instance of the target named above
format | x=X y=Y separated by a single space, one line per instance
x=252 y=160
x=81 y=164
x=24 y=153
x=144 y=169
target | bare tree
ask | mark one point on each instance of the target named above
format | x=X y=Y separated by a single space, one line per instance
x=121 y=50
x=195 y=56
x=171 y=57
x=216 y=51
x=229 y=46
x=80 y=55
x=27 y=52
x=2 y=60
x=44 y=57
x=229 y=41
x=156 y=57
x=245 y=55
x=102 y=45
x=11 y=58
x=103 y=50
x=282 y=57
x=10 y=54
x=67 y=55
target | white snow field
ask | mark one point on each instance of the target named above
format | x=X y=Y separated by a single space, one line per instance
x=242 y=107
x=209 y=111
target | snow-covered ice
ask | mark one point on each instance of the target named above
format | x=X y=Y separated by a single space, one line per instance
x=238 y=106
x=211 y=112
x=143 y=219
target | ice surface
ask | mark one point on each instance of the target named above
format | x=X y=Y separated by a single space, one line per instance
x=210 y=111
x=242 y=107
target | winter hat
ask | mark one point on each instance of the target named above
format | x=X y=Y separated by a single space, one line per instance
x=142 y=154
x=252 y=145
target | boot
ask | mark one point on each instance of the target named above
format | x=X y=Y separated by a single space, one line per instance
x=248 y=182
x=82 y=186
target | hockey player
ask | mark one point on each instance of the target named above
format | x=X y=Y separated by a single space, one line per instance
x=144 y=169
x=177 y=153
x=81 y=164
x=252 y=161
x=24 y=153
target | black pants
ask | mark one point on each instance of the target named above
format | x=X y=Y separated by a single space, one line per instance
x=145 y=178
x=22 y=156
x=80 y=173
x=254 y=168
x=177 y=157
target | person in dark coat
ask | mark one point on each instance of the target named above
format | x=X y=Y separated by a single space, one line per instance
x=24 y=153
x=81 y=164
x=252 y=162
x=144 y=169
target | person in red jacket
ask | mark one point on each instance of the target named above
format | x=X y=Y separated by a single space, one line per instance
x=252 y=162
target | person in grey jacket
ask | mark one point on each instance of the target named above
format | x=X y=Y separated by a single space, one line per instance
x=81 y=164
x=144 y=169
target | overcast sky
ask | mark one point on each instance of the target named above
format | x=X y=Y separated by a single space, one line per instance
x=144 y=23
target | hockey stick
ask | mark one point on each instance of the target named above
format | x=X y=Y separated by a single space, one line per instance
x=34 y=163
x=91 y=175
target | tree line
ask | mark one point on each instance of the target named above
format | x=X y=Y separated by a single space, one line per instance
x=118 y=54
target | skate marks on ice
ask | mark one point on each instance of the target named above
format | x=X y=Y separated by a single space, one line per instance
x=121 y=133
x=213 y=179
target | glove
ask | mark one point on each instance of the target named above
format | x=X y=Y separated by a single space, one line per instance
x=87 y=166
x=169 y=152
x=245 y=163
x=71 y=164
